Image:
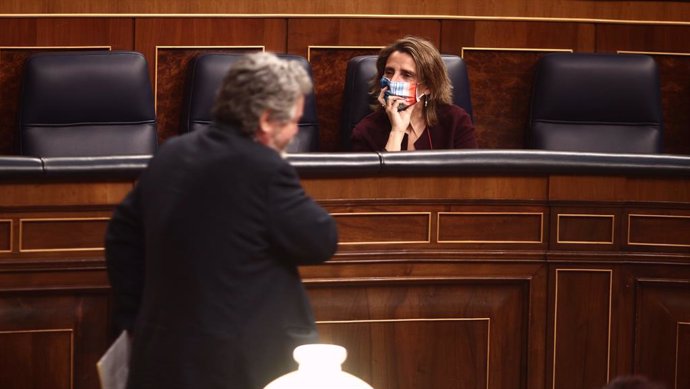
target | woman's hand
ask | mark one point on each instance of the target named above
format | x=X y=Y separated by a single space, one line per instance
x=400 y=120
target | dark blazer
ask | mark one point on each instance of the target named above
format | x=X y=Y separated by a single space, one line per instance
x=202 y=257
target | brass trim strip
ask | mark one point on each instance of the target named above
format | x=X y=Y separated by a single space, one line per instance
x=486 y=319
x=71 y=346
x=428 y=232
x=555 y=321
x=182 y=47
x=675 y=375
x=11 y=235
x=630 y=243
x=67 y=219
x=338 y=48
x=55 y=47
x=541 y=227
x=558 y=228
x=347 y=16
x=652 y=53
x=525 y=49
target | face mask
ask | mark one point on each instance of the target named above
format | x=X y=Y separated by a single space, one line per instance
x=403 y=89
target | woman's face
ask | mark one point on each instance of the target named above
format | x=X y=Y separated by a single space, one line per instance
x=401 y=67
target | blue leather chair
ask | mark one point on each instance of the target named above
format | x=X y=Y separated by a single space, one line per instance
x=86 y=104
x=358 y=77
x=596 y=103
x=204 y=77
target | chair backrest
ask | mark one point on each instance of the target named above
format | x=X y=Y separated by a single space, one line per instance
x=592 y=102
x=358 y=77
x=89 y=103
x=204 y=77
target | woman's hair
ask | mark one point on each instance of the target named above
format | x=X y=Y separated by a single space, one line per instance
x=257 y=83
x=431 y=71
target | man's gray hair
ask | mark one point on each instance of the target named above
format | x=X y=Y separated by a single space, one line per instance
x=257 y=83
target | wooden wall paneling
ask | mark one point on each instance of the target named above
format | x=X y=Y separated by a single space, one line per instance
x=53 y=328
x=648 y=229
x=414 y=333
x=581 y=330
x=639 y=10
x=21 y=37
x=330 y=43
x=661 y=329
x=585 y=228
x=169 y=43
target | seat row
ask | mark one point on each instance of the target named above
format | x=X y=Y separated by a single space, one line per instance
x=100 y=103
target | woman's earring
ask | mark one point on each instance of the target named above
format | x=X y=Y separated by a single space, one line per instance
x=426 y=100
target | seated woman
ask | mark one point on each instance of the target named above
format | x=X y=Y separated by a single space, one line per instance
x=416 y=110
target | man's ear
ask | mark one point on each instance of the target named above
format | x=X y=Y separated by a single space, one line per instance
x=265 y=124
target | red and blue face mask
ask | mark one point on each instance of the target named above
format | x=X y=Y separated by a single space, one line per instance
x=406 y=90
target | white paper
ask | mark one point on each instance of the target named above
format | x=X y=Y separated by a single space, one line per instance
x=113 y=367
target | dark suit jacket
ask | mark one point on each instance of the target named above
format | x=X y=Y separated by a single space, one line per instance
x=202 y=257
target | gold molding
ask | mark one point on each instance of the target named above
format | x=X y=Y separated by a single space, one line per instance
x=558 y=228
x=630 y=243
x=675 y=376
x=428 y=232
x=71 y=345
x=523 y=49
x=541 y=227
x=348 y=16
x=653 y=53
x=555 y=321
x=183 y=47
x=58 y=219
x=486 y=319
x=110 y=48
x=309 y=47
x=11 y=242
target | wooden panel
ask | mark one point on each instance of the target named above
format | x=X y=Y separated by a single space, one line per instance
x=582 y=328
x=330 y=43
x=37 y=359
x=456 y=188
x=683 y=355
x=65 y=194
x=638 y=10
x=490 y=227
x=168 y=44
x=52 y=339
x=415 y=353
x=68 y=234
x=501 y=83
x=171 y=74
x=540 y=35
x=648 y=229
x=585 y=228
x=5 y=235
x=377 y=228
x=661 y=341
x=380 y=321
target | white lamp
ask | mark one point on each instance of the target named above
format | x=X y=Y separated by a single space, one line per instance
x=319 y=367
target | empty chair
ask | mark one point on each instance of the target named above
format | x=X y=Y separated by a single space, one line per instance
x=596 y=103
x=204 y=77
x=358 y=77
x=83 y=104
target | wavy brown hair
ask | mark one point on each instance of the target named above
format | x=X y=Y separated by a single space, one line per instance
x=431 y=71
